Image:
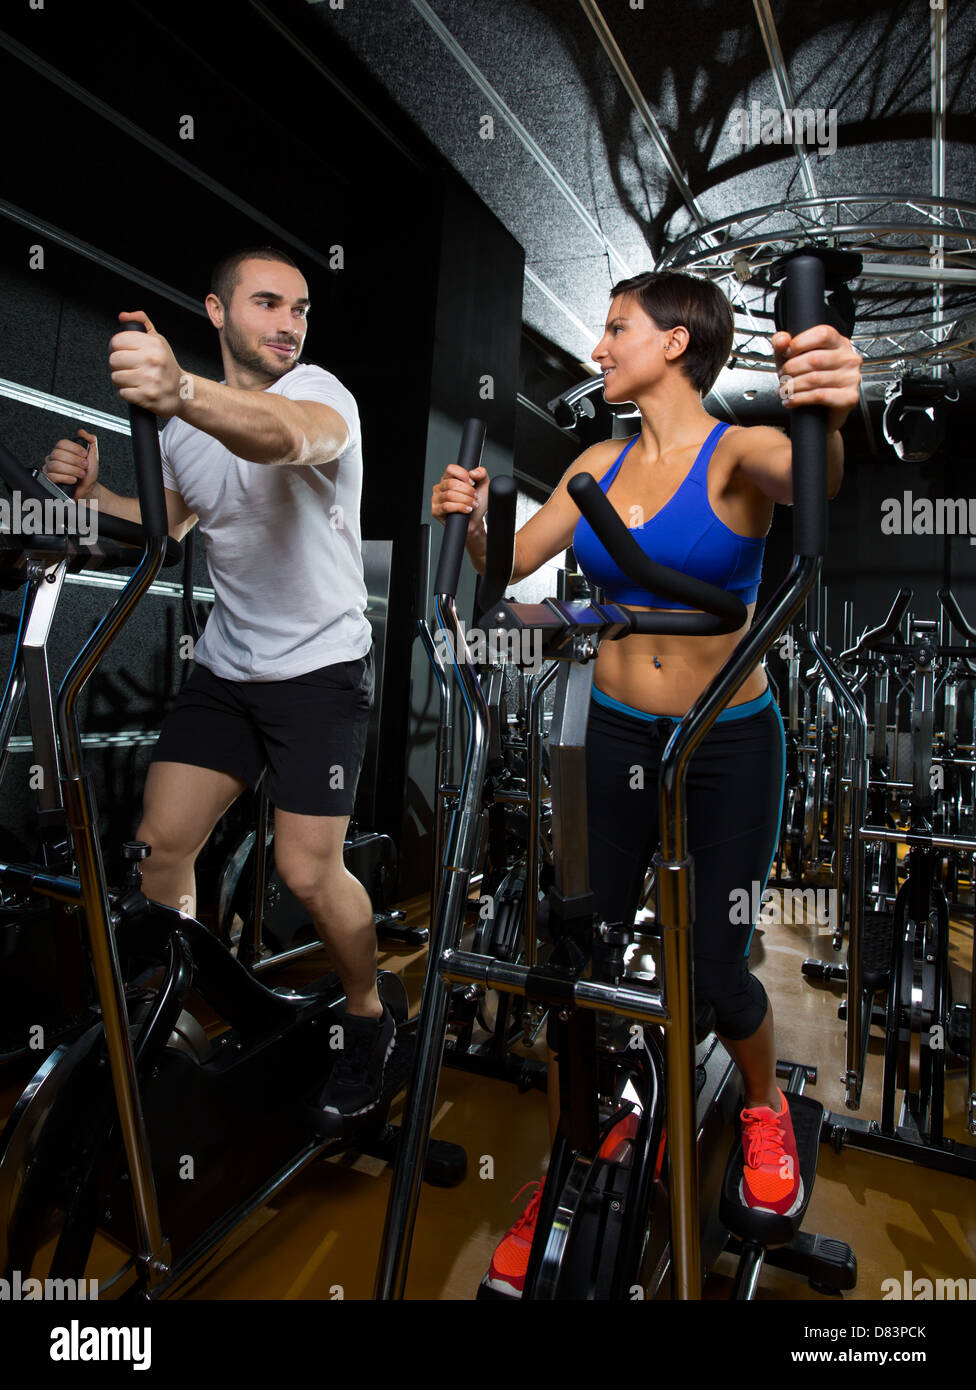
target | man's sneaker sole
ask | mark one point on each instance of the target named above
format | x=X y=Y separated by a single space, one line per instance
x=330 y=1123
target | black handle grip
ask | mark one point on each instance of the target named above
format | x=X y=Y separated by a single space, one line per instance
x=723 y=612
x=956 y=616
x=456 y=525
x=804 y=307
x=149 y=468
x=502 y=497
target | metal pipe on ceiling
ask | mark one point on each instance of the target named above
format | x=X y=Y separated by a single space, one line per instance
x=886 y=270
x=937 y=63
x=777 y=63
x=464 y=60
x=612 y=49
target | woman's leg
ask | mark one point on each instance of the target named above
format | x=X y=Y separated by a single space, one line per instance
x=737 y=799
x=622 y=756
x=734 y=806
x=756 y=1059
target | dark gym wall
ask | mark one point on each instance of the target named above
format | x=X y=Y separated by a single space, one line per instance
x=474 y=373
x=290 y=146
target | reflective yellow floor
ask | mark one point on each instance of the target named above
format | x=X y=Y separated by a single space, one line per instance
x=319 y=1238
x=324 y=1234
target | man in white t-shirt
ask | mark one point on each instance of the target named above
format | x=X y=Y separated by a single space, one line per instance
x=269 y=464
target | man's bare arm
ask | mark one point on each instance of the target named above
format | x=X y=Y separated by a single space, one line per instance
x=262 y=427
x=255 y=425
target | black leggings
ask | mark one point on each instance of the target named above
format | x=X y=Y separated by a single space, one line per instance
x=734 y=802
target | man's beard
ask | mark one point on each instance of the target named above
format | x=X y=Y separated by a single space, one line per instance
x=250 y=360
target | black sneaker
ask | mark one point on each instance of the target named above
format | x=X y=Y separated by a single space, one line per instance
x=355 y=1083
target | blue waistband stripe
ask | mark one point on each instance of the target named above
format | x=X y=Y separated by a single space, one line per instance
x=736 y=711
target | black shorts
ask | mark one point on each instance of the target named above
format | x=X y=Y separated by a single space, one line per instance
x=309 y=732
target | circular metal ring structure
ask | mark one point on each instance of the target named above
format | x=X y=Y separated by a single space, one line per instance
x=916 y=297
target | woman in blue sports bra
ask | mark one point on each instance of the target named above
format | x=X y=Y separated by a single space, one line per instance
x=697 y=495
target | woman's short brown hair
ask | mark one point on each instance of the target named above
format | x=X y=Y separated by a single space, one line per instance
x=670 y=298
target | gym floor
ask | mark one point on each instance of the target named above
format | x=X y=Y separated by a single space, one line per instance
x=320 y=1238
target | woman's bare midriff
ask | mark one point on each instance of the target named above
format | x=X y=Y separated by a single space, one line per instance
x=626 y=670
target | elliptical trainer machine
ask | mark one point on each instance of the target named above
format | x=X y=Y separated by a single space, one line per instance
x=145 y=1136
x=603 y=1229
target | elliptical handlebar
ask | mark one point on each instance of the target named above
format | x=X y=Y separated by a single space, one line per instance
x=803 y=308
x=149 y=466
x=500 y=554
x=456 y=525
x=877 y=634
x=723 y=612
x=956 y=616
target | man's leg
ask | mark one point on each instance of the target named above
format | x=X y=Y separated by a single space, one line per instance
x=181 y=805
x=308 y=855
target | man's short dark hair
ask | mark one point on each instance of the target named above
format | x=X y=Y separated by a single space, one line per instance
x=227 y=273
x=670 y=298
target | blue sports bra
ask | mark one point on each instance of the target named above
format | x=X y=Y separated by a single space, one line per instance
x=685 y=534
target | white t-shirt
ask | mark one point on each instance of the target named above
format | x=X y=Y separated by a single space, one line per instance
x=283 y=545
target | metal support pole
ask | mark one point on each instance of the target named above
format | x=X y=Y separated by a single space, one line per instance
x=675 y=914
x=540 y=684
x=152 y=1250
x=858 y=734
x=463 y=841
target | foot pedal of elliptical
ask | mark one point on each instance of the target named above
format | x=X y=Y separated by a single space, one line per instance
x=756 y=1224
x=445 y=1166
x=446 y=1163
x=879 y=931
x=389 y=927
x=829 y=1264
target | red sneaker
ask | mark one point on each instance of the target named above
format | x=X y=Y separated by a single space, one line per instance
x=510 y=1262
x=771 y=1176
